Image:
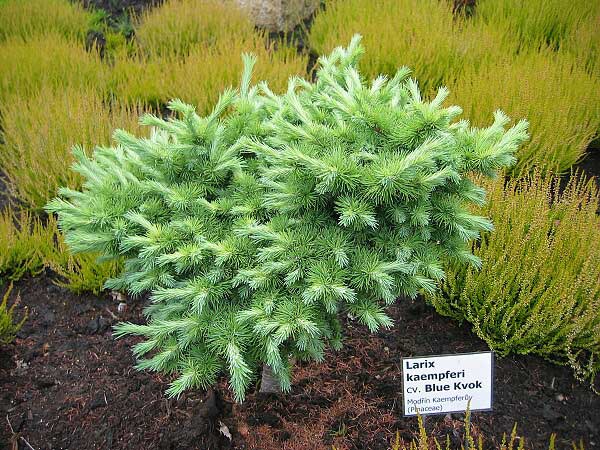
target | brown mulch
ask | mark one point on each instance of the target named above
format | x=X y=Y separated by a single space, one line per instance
x=67 y=384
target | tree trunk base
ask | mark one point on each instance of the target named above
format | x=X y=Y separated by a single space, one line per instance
x=268 y=382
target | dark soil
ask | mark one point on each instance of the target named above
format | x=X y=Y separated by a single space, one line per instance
x=67 y=384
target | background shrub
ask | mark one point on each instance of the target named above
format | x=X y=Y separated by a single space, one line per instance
x=178 y=25
x=46 y=61
x=203 y=74
x=537 y=23
x=39 y=131
x=539 y=287
x=28 y=18
x=189 y=49
x=559 y=99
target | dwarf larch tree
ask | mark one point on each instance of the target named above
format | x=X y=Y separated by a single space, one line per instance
x=256 y=228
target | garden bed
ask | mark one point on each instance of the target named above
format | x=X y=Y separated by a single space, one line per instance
x=68 y=384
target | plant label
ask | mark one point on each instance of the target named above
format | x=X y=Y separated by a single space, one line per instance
x=447 y=383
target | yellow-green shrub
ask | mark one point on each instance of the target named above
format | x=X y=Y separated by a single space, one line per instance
x=27 y=18
x=201 y=76
x=420 y=34
x=537 y=22
x=8 y=328
x=178 y=25
x=24 y=241
x=583 y=44
x=559 y=100
x=539 y=287
x=52 y=60
x=38 y=134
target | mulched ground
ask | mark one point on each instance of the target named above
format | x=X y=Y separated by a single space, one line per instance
x=67 y=384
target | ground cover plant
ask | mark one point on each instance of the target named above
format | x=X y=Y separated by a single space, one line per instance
x=35 y=163
x=23 y=242
x=175 y=40
x=538 y=290
x=29 y=18
x=355 y=195
x=559 y=99
x=48 y=60
x=8 y=324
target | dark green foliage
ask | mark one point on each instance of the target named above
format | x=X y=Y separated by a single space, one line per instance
x=257 y=227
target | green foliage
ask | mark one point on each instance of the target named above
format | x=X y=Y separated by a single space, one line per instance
x=257 y=226
x=46 y=61
x=39 y=131
x=559 y=99
x=539 y=288
x=23 y=242
x=29 y=18
x=157 y=79
x=8 y=328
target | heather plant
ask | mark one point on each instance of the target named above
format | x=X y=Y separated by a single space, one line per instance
x=559 y=99
x=176 y=39
x=27 y=66
x=30 y=18
x=8 y=327
x=157 y=79
x=38 y=132
x=538 y=290
x=23 y=242
x=537 y=23
x=256 y=227
x=421 y=34
x=175 y=27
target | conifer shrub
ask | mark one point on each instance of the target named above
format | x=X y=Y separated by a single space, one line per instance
x=85 y=272
x=29 y=18
x=39 y=131
x=8 y=327
x=538 y=291
x=256 y=227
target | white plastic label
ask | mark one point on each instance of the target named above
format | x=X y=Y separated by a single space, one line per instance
x=444 y=384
